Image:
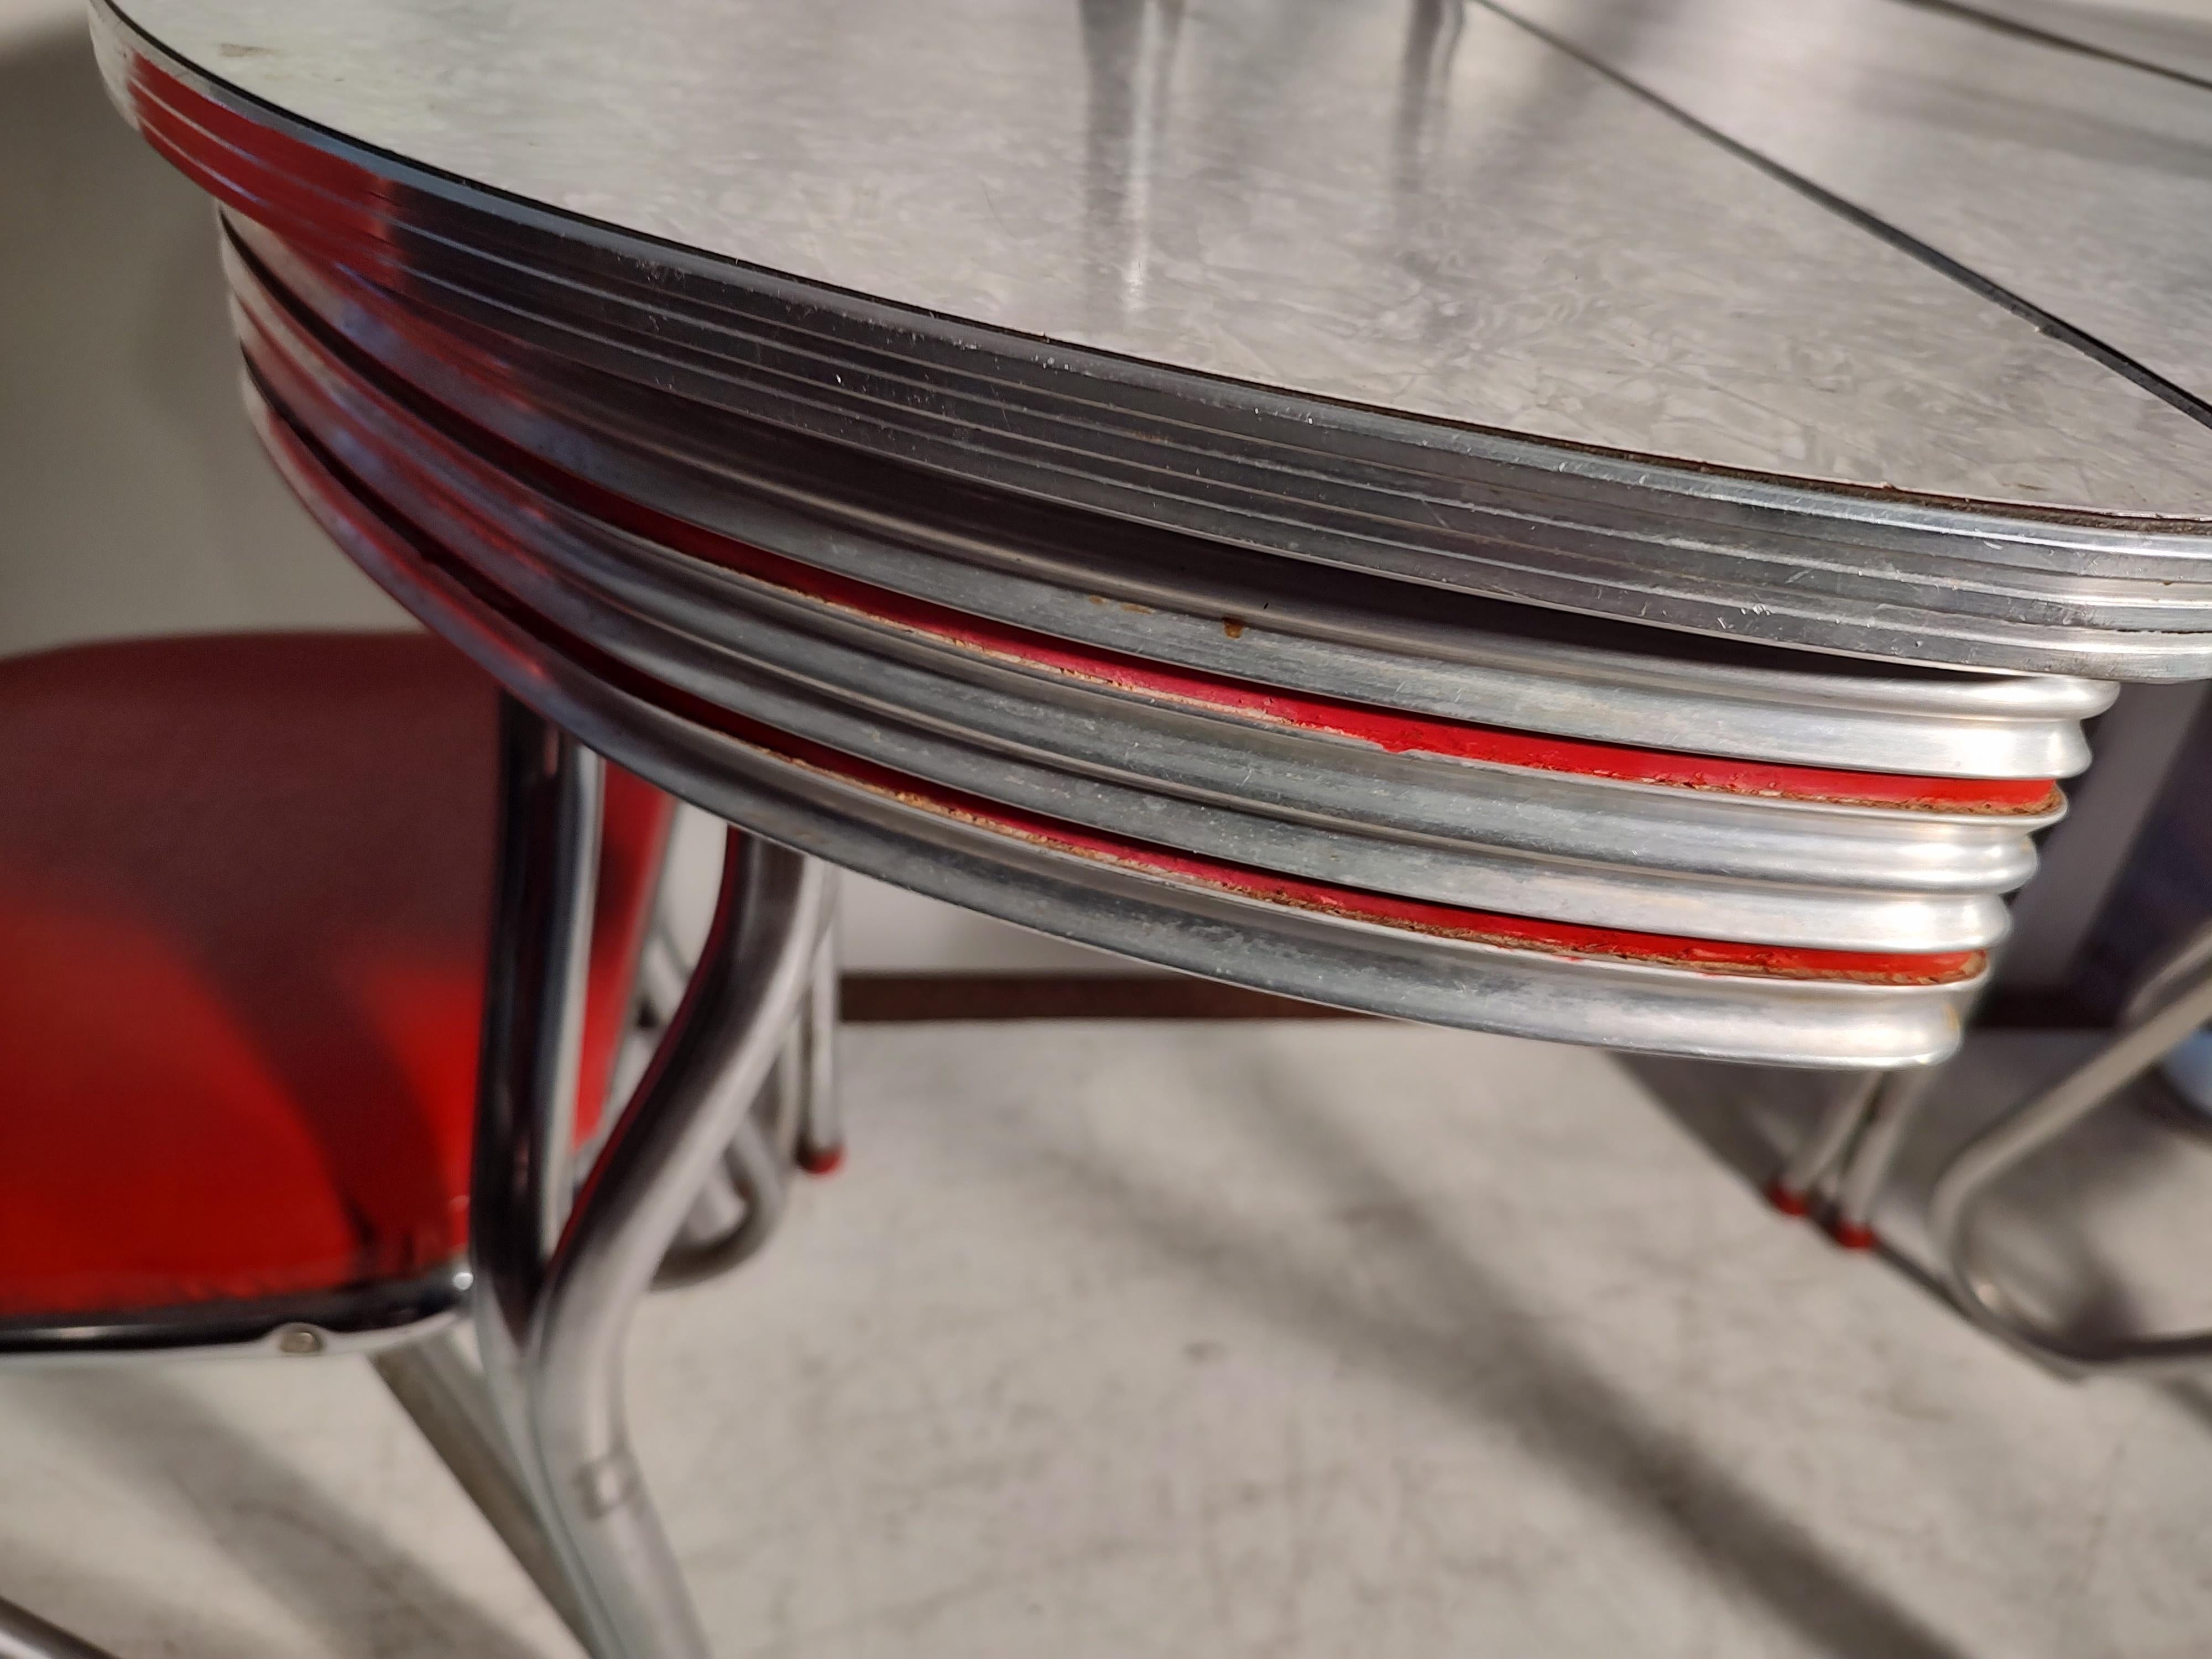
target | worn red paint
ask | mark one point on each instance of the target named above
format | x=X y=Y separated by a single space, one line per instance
x=350 y=497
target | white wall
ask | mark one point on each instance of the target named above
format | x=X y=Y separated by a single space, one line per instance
x=133 y=499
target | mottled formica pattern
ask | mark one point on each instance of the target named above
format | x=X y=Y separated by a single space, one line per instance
x=1414 y=205
x=2084 y=186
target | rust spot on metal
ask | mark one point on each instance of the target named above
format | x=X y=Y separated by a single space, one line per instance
x=1233 y=626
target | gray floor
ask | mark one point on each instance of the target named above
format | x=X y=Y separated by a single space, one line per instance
x=1283 y=1339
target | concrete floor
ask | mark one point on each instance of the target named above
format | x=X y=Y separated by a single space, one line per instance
x=1280 y=1340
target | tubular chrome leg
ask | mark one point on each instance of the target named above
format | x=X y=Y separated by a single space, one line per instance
x=521 y=1176
x=1896 y=1105
x=803 y=1087
x=662 y=972
x=1794 y=1190
x=561 y=1397
x=782 y=1105
x=2175 y=1001
x=821 y=1124
x=718 y=1211
x=792 y=1121
x=438 y=1386
x=24 y=1635
x=755 y=1193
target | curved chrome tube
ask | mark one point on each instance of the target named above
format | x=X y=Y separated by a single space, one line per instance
x=444 y=1394
x=687 y=1109
x=794 y=1123
x=521 y=1181
x=551 y=1311
x=756 y=1188
x=2174 y=1000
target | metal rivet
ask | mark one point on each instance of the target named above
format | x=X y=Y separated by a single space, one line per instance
x=299 y=1338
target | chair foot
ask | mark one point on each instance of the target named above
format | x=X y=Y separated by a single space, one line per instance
x=1851 y=1235
x=1788 y=1200
x=821 y=1160
x=1894 y=1110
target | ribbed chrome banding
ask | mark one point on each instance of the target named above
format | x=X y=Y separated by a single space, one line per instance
x=1049 y=659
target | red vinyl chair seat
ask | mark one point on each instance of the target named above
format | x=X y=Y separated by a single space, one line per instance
x=245 y=900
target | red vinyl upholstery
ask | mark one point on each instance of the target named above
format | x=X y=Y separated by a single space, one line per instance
x=244 y=896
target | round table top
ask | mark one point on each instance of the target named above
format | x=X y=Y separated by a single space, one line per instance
x=1845 y=241
x=1127 y=466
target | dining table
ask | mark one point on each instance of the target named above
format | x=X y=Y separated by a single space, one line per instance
x=1603 y=521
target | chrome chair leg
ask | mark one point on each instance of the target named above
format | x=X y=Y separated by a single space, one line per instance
x=797 y=1108
x=756 y=1188
x=1895 y=1107
x=438 y=1386
x=24 y=1635
x=521 y=1165
x=660 y=973
x=2174 y=1000
x=552 y=1323
x=822 y=1125
x=793 y=1124
x=688 y=1111
x=1797 y=1190
x=522 y=1178
x=717 y=1210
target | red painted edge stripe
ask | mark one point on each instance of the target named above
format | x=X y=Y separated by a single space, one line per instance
x=360 y=505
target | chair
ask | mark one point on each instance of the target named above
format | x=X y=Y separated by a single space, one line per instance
x=247 y=889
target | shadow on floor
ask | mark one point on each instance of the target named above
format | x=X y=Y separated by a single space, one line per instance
x=90 y=1601
x=1548 y=1400
x=363 y=1593
x=2067 y=1231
